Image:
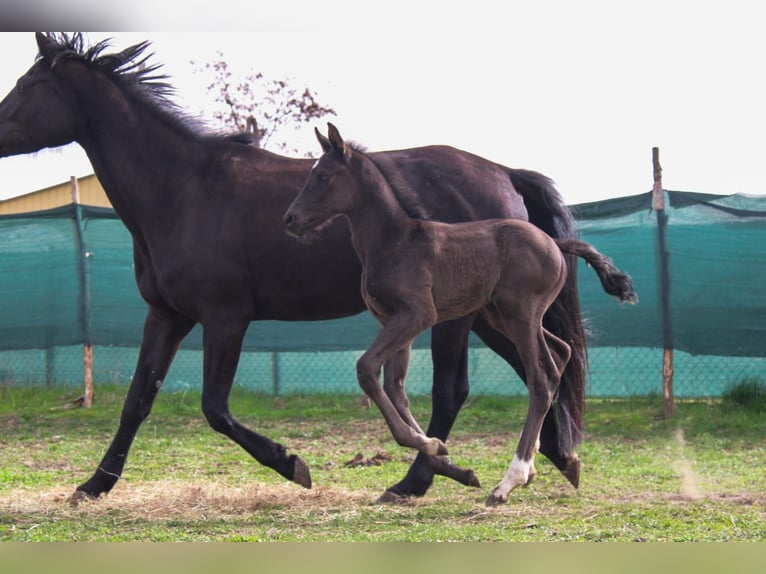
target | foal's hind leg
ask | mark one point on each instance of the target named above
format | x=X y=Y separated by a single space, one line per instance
x=550 y=432
x=543 y=376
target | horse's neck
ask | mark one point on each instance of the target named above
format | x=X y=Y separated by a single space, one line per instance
x=378 y=220
x=133 y=149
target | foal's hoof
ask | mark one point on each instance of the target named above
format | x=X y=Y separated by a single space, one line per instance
x=572 y=470
x=435 y=447
x=495 y=499
x=301 y=473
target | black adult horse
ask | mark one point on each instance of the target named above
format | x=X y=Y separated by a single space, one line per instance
x=205 y=213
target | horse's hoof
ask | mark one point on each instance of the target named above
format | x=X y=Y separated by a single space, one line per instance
x=442 y=465
x=391 y=497
x=473 y=480
x=301 y=473
x=79 y=496
x=572 y=470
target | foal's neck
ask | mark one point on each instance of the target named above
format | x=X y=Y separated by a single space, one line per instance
x=377 y=219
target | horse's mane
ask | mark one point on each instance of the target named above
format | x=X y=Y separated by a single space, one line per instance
x=133 y=73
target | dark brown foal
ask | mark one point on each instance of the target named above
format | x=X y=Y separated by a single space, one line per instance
x=418 y=273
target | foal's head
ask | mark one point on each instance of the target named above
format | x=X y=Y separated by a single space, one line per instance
x=330 y=189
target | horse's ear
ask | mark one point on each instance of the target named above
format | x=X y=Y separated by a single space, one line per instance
x=323 y=141
x=335 y=139
x=45 y=45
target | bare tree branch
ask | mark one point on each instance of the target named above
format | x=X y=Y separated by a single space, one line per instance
x=260 y=106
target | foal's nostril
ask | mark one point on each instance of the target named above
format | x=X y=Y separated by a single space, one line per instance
x=289 y=220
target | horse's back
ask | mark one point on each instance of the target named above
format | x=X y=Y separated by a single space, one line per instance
x=447 y=184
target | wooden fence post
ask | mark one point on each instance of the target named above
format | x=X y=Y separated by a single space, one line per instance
x=87 y=350
x=658 y=205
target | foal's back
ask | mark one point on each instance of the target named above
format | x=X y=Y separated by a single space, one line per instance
x=472 y=264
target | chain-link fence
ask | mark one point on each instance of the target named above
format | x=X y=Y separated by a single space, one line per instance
x=713 y=309
x=614 y=371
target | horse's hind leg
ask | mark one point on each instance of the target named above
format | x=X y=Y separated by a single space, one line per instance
x=222 y=343
x=163 y=332
x=449 y=353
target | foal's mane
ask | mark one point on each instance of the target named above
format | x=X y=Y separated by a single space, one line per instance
x=405 y=195
x=132 y=72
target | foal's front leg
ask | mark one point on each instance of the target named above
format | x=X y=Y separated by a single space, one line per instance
x=394 y=377
x=395 y=336
x=449 y=351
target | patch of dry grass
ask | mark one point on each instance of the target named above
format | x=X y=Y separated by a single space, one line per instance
x=182 y=499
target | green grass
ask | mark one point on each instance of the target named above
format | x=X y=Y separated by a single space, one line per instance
x=748 y=394
x=698 y=476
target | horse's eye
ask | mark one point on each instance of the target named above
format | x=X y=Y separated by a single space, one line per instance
x=324 y=178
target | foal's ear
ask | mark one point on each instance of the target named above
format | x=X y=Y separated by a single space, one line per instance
x=323 y=141
x=336 y=140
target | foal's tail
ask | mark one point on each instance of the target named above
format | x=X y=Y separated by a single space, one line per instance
x=614 y=281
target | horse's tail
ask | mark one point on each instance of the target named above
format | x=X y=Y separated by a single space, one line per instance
x=614 y=281
x=547 y=210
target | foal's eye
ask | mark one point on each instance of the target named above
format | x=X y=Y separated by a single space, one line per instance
x=324 y=178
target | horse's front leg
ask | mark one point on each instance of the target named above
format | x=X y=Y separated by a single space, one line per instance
x=163 y=332
x=449 y=354
x=222 y=344
x=396 y=336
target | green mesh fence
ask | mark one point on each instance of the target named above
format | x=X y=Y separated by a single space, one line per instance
x=66 y=277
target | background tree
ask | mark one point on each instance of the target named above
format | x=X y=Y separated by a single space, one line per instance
x=260 y=106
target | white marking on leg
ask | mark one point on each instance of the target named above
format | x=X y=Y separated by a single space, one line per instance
x=516 y=475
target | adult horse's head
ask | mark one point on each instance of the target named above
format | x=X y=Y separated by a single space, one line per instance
x=326 y=192
x=38 y=112
x=43 y=110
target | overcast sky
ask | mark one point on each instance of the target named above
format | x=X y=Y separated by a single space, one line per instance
x=580 y=91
